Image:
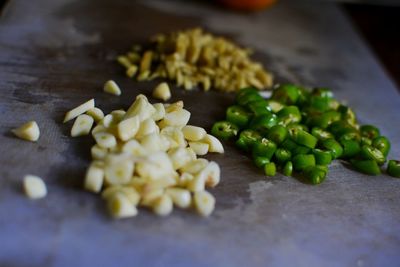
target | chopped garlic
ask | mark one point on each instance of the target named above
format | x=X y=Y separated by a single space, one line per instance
x=119 y=173
x=108 y=120
x=177 y=118
x=184 y=179
x=118 y=115
x=163 y=205
x=82 y=125
x=128 y=128
x=98 y=129
x=194 y=166
x=72 y=114
x=130 y=192
x=28 y=131
x=162 y=92
x=204 y=203
x=134 y=148
x=105 y=140
x=98 y=152
x=159 y=113
x=211 y=174
x=111 y=87
x=197 y=184
x=156 y=166
x=153 y=143
x=147 y=126
x=179 y=157
x=180 y=197
x=150 y=196
x=193 y=133
x=96 y=113
x=140 y=107
x=142 y=157
x=34 y=187
x=120 y=207
x=214 y=144
x=199 y=148
x=94 y=178
x=178 y=105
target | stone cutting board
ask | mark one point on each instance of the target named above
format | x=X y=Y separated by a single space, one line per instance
x=56 y=54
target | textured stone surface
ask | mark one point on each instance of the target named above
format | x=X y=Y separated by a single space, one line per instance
x=56 y=54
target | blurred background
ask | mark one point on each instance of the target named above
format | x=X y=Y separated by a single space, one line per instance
x=376 y=20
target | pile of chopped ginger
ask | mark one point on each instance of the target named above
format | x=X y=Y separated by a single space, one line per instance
x=196 y=58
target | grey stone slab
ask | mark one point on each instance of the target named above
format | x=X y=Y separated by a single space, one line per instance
x=57 y=54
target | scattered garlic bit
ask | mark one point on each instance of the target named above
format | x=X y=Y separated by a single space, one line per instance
x=72 y=114
x=28 y=131
x=162 y=92
x=128 y=128
x=204 y=203
x=120 y=207
x=124 y=61
x=163 y=205
x=112 y=88
x=147 y=157
x=82 y=125
x=196 y=58
x=96 y=113
x=34 y=187
x=193 y=133
x=105 y=140
x=131 y=71
x=94 y=178
x=199 y=148
x=214 y=144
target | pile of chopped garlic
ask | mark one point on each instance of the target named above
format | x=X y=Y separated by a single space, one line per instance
x=148 y=156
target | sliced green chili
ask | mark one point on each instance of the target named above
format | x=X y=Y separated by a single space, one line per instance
x=322 y=157
x=248 y=97
x=263 y=122
x=282 y=155
x=247 y=139
x=366 y=166
x=289 y=114
x=237 y=115
x=350 y=148
x=277 y=133
x=321 y=134
x=333 y=146
x=382 y=143
x=288 y=169
x=224 y=130
x=301 y=162
x=261 y=161
x=259 y=107
x=304 y=138
x=393 y=168
x=325 y=119
x=270 y=169
x=286 y=94
x=369 y=152
x=315 y=174
x=299 y=149
x=369 y=131
x=264 y=147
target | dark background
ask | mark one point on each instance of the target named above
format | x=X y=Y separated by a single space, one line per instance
x=378 y=25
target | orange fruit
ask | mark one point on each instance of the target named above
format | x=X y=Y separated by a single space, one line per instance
x=247 y=5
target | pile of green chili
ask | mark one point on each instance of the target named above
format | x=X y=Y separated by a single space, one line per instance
x=302 y=131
